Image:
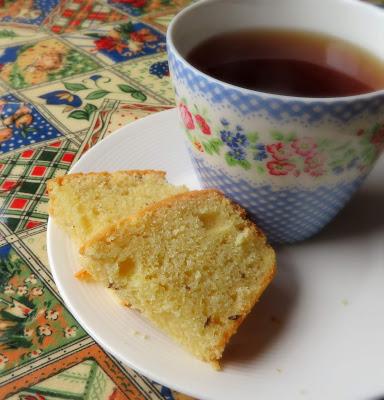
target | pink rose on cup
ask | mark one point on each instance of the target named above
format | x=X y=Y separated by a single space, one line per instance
x=314 y=166
x=204 y=127
x=279 y=151
x=378 y=138
x=304 y=147
x=186 y=116
x=280 y=167
x=317 y=160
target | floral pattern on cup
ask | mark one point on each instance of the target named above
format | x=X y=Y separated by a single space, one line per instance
x=283 y=153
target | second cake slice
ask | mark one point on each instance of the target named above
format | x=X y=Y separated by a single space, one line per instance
x=193 y=264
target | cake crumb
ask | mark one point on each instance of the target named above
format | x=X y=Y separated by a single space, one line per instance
x=141 y=334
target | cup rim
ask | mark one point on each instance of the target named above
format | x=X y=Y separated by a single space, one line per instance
x=200 y=3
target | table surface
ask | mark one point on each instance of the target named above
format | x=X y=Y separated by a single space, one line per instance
x=71 y=73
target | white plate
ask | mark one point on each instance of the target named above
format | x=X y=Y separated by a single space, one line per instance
x=317 y=333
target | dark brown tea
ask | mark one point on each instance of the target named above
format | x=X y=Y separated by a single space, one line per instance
x=290 y=63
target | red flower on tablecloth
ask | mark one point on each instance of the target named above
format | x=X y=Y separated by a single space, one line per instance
x=35 y=353
x=107 y=43
x=22 y=290
x=44 y=330
x=186 y=116
x=143 y=35
x=37 y=291
x=204 y=127
x=52 y=315
x=70 y=331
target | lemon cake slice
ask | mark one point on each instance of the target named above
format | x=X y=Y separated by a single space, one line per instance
x=193 y=264
x=86 y=203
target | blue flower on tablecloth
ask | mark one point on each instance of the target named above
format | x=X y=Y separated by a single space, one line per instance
x=159 y=69
x=62 y=97
x=261 y=153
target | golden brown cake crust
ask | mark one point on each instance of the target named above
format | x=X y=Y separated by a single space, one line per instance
x=172 y=201
x=227 y=336
x=59 y=180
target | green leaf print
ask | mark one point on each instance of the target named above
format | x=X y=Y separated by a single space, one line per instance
x=97 y=94
x=277 y=135
x=244 y=164
x=16 y=78
x=94 y=35
x=125 y=30
x=74 y=86
x=215 y=145
x=139 y=96
x=136 y=94
x=79 y=114
x=253 y=137
x=208 y=148
x=230 y=160
x=374 y=129
x=126 y=88
x=260 y=169
x=290 y=137
x=369 y=154
x=74 y=63
x=90 y=108
x=6 y=33
x=323 y=143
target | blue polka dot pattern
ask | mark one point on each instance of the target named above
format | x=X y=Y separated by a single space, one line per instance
x=276 y=107
x=287 y=215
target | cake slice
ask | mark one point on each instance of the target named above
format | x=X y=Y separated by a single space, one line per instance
x=193 y=264
x=85 y=204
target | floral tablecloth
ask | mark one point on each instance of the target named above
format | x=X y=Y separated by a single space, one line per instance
x=71 y=73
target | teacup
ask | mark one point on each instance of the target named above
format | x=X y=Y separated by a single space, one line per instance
x=291 y=162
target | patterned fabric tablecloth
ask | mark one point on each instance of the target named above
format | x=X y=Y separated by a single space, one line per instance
x=71 y=73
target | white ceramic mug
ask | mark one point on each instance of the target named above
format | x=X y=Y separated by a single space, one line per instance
x=292 y=162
